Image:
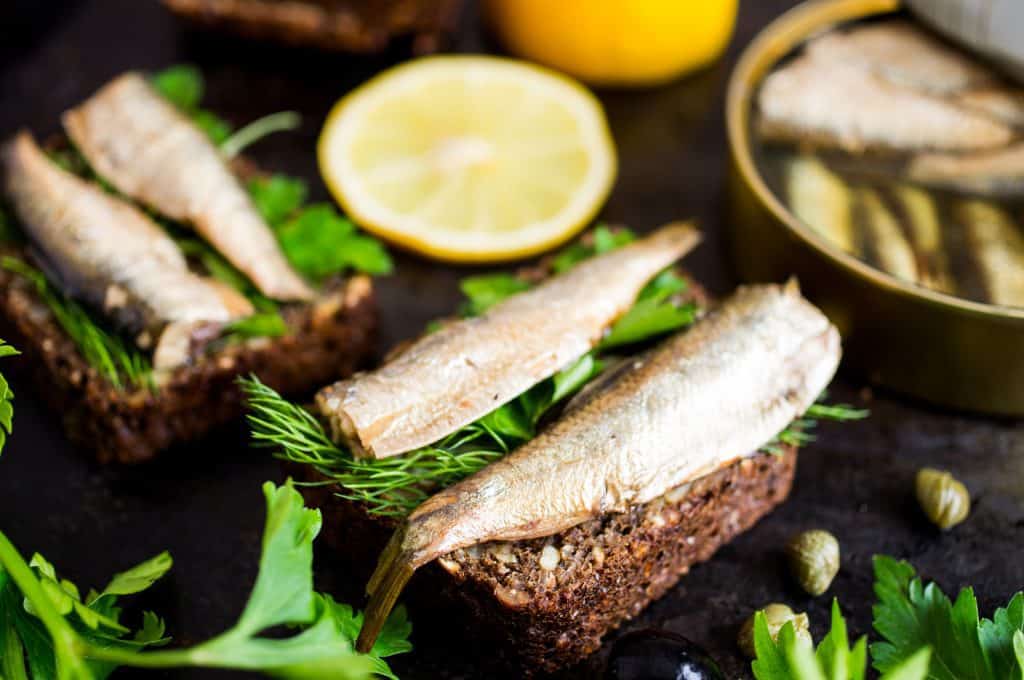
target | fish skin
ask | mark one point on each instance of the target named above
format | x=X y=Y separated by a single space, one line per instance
x=1001 y=103
x=997 y=174
x=904 y=55
x=452 y=377
x=926 y=235
x=110 y=254
x=702 y=399
x=150 y=152
x=842 y=106
x=822 y=201
x=997 y=244
x=891 y=248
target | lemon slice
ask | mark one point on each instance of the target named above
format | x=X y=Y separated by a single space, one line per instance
x=468 y=158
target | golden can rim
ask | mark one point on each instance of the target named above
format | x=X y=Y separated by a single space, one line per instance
x=770 y=46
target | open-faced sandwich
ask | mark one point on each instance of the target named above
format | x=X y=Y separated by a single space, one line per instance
x=144 y=269
x=557 y=458
x=350 y=25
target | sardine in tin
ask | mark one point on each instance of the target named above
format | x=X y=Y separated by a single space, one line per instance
x=944 y=349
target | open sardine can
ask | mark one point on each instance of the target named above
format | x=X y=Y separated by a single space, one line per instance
x=948 y=350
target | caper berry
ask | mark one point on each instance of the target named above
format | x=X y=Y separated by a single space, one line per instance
x=776 y=616
x=943 y=497
x=813 y=560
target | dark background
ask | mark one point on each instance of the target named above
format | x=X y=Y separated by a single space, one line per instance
x=203 y=503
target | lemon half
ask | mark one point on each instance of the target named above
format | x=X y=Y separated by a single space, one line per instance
x=469 y=158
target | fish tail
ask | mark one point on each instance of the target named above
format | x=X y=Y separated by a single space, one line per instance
x=394 y=569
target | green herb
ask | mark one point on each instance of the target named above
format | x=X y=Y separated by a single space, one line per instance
x=319 y=242
x=792 y=658
x=923 y=636
x=278 y=197
x=6 y=406
x=798 y=432
x=911 y=614
x=106 y=352
x=56 y=634
x=260 y=325
x=183 y=86
x=602 y=240
x=257 y=130
x=394 y=486
x=484 y=291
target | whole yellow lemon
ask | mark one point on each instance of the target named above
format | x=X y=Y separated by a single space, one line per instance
x=615 y=42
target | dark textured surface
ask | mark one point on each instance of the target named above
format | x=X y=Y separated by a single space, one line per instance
x=205 y=505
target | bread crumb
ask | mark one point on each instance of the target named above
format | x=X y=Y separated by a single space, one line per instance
x=549 y=558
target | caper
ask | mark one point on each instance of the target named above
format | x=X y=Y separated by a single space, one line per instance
x=776 y=616
x=813 y=560
x=943 y=497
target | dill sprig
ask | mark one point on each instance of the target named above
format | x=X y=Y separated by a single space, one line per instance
x=799 y=431
x=114 y=359
x=394 y=486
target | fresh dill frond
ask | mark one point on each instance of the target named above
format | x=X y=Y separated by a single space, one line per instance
x=114 y=359
x=799 y=431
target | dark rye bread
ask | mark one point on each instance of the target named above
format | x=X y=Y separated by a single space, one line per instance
x=328 y=338
x=539 y=605
x=348 y=25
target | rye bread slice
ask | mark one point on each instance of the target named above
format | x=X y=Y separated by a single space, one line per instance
x=347 y=25
x=541 y=605
x=328 y=338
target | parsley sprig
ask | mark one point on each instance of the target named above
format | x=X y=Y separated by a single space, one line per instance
x=924 y=636
x=6 y=403
x=47 y=630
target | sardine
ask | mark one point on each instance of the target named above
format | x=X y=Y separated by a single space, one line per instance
x=109 y=254
x=150 y=152
x=1002 y=103
x=997 y=246
x=922 y=219
x=998 y=173
x=702 y=399
x=904 y=55
x=822 y=200
x=842 y=106
x=458 y=374
x=889 y=246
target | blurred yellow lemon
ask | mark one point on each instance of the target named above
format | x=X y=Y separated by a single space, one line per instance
x=616 y=42
x=469 y=158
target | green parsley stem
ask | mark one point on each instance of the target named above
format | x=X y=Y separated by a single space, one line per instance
x=257 y=130
x=67 y=644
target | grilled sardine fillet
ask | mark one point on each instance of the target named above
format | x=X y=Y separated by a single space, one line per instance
x=904 y=55
x=699 y=401
x=452 y=377
x=822 y=201
x=998 y=173
x=150 y=152
x=843 y=106
x=889 y=246
x=997 y=245
x=109 y=254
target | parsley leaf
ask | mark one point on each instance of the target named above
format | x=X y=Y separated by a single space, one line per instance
x=966 y=647
x=484 y=291
x=319 y=242
x=278 y=197
x=6 y=398
x=63 y=637
x=184 y=87
x=792 y=658
x=602 y=240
